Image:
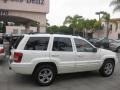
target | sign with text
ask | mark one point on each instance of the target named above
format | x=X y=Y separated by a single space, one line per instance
x=28 y=1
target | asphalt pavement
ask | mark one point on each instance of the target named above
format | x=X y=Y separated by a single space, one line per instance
x=9 y=80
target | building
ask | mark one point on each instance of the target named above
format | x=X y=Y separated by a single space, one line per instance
x=25 y=12
x=19 y=29
x=114 y=29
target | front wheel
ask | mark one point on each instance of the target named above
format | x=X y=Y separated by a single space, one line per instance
x=45 y=75
x=107 y=69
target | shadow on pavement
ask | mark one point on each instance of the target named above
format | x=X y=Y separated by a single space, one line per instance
x=27 y=80
x=80 y=75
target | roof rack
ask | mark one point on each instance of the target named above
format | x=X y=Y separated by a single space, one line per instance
x=52 y=33
x=36 y=33
x=44 y=33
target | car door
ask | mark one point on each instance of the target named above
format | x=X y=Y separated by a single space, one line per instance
x=86 y=58
x=63 y=54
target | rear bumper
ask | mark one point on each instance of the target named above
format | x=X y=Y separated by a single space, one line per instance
x=2 y=56
x=26 y=69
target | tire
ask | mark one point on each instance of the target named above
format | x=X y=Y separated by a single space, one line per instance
x=44 y=75
x=107 y=68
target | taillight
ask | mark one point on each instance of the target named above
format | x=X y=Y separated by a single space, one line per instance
x=17 y=57
x=2 y=50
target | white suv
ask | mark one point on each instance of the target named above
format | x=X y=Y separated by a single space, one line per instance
x=46 y=55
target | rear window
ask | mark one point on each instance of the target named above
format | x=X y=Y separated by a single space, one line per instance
x=15 y=45
x=37 y=43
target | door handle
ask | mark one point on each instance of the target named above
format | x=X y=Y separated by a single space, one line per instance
x=55 y=55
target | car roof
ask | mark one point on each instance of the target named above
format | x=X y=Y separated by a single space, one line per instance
x=55 y=35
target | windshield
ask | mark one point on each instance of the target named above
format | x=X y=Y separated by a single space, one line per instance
x=15 y=45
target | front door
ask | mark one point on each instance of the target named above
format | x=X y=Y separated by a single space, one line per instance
x=86 y=58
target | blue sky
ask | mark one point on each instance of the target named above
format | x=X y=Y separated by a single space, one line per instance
x=59 y=9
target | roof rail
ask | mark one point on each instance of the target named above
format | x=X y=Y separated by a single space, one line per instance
x=36 y=33
x=44 y=33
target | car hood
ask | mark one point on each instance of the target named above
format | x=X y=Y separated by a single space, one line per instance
x=106 y=52
x=115 y=43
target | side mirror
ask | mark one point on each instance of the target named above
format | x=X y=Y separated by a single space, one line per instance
x=95 y=50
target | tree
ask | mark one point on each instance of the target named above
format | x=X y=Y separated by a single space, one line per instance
x=74 y=22
x=97 y=25
x=65 y=30
x=53 y=29
x=106 y=17
x=116 y=4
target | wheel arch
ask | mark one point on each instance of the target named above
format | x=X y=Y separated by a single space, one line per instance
x=107 y=59
x=46 y=63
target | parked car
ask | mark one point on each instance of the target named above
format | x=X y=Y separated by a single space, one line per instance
x=104 y=43
x=46 y=55
x=115 y=46
x=2 y=53
x=9 y=40
x=93 y=41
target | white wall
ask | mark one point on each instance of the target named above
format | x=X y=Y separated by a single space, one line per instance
x=12 y=29
x=113 y=33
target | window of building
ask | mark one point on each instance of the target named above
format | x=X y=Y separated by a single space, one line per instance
x=116 y=26
x=37 y=43
x=83 y=46
x=62 y=44
x=102 y=26
x=30 y=31
x=17 y=0
x=1 y=41
x=111 y=27
x=22 y=31
x=15 y=31
x=118 y=36
x=119 y=26
x=36 y=1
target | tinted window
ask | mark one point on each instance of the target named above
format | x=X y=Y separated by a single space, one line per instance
x=37 y=43
x=1 y=41
x=17 y=41
x=62 y=44
x=83 y=46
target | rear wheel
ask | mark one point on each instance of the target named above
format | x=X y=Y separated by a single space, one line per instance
x=107 y=69
x=45 y=75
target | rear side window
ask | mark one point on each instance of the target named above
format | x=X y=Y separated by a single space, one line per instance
x=62 y=44
x=37 y=43
x=15 y=45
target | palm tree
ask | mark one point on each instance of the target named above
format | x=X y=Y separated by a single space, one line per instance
x=73 y=22
x=116 y=4
x=106 y=17
x=100 y=13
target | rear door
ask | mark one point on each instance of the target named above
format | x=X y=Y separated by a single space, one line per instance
x=63 y=54
x=36 y=50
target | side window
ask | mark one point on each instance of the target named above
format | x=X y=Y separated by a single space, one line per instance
x=62 y=44
x=83 y=46
x=37 y=43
